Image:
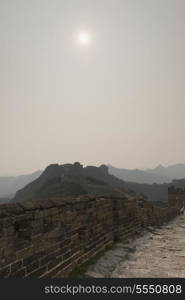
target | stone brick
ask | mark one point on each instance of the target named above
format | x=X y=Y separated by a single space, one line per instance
x=19 y=273
x=50 y=257
x=5 y=271
x=30 y=259
x=16 y=266
x=32 y=266
x=38 y=272
x=54 y=263
x=48 y=238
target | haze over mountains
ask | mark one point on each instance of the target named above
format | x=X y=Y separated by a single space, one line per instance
x=9 y=185
x=159 y=174
x=72 y=180
x=151 y=182
x=172 y=172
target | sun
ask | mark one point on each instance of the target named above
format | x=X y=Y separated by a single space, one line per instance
x=83 y=38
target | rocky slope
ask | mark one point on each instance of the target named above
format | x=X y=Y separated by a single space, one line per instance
x=72 y=180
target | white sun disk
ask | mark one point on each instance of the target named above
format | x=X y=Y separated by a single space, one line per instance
x=83 y=38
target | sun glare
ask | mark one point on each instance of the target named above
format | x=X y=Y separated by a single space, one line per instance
x=83 y=38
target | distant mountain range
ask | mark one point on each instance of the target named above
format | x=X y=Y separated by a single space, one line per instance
x=171 y=172
x=155 y=192
x=9 y=185
x=159 y=174
x=59 y=181
x=153 y=183
x=73 y=179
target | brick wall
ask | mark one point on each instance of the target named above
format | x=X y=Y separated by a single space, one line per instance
x=48 y=239
x=176 y=197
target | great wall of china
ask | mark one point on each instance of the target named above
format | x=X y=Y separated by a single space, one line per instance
x=49 y=239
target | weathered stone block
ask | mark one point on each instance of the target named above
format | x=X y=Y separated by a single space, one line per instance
x=5 y=271
x=16 y=266
x=30 y=259
x=37 y=273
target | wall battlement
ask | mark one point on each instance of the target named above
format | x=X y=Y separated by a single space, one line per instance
x=48 y=239
x=176 y=197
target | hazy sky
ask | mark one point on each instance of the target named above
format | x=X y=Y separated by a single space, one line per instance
x=119 y=100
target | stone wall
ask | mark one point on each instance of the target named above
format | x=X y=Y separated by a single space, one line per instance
x=48 y=239
x=176 y=197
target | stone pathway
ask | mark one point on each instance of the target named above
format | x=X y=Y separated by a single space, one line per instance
x=160 y=253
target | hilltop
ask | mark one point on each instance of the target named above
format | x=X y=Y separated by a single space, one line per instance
x=72 y=180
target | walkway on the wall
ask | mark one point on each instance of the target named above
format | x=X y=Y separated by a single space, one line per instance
x=160 y=253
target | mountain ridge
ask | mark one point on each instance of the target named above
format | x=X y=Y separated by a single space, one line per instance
x=148 y=182
x=10 y=184
x=72 y=180
x=159 y=175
